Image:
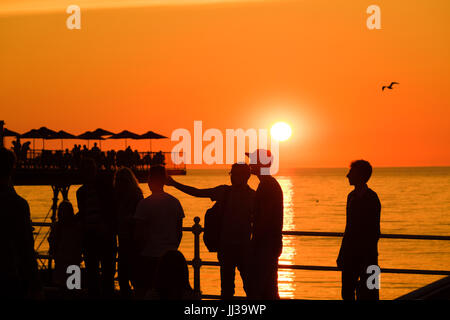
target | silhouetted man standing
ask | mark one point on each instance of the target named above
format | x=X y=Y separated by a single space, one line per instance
x=235 y=231
x=362 y=231
x=158 y=229
x=18 y=269
x=267 y=243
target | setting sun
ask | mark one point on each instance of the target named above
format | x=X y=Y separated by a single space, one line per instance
x=281 y=131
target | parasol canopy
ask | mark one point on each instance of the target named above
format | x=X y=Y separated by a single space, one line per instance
x=62 y=135
x=125 y=134
x=41 y=133
x=10 y=133
x=102 y=132
x=151 y=135
x=89 y=135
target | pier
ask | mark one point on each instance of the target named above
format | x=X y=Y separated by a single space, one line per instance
x=60 y=169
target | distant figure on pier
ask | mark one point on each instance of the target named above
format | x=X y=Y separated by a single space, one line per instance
x=158 y=159
x=65 y=242
x=172 y=281
x=267 y=242
x=98 y=218
x=127 y=196
x=20 y=150
x=362 y=231
x=238 y=202
x=158 y=229
x=18 y=268
x=95 y=148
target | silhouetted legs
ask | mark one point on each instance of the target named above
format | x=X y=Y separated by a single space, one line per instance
x=100 y=264
x=264 y=272
x=354 y=283
x=144 y=274
x=124 y=266
x=230 y=258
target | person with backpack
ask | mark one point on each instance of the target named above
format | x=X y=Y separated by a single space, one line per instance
x=233 y=213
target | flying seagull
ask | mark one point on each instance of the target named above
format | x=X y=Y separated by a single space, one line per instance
x=390 y=86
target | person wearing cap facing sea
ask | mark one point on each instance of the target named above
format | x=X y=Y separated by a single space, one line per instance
x=235 y=233
x=267 y=242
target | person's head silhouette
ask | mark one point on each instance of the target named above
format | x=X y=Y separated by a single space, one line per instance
x=173 y=276
x=156 y=179
x=124 y=180
x=260 y=161
x=65 y=212
x=239 y=174
x=360 y=172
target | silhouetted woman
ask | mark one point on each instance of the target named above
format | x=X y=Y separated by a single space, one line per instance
x=97 y=213
x=65 y=242
x=127 y=195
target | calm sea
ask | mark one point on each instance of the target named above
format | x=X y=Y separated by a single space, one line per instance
x=414 y=201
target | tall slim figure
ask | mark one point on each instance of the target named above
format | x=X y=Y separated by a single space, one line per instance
x=359 y=248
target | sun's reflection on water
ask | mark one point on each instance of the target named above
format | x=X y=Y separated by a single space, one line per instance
x=286 y=277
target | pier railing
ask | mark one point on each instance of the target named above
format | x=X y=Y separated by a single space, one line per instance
x=197 y=262
x=59 y=159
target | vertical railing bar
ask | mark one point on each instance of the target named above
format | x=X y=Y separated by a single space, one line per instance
x=197 y=261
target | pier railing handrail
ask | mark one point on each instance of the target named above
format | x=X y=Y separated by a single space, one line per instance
x=197 y=262
x=319 y=233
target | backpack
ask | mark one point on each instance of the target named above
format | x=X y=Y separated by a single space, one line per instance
x=213 y=224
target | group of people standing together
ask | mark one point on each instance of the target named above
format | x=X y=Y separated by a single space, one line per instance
x=250 y=229
x=114 y=219
x=146 y=230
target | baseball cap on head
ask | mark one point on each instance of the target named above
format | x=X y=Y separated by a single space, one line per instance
x=260 y=156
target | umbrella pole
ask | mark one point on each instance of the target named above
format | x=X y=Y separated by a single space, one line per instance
x=62 y=147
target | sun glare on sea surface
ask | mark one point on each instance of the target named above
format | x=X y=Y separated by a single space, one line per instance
x=281 y=131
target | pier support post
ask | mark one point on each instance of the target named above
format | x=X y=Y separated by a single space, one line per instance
x=56 y=190
x=197 y=262
x=55 y=203
x=65 y=192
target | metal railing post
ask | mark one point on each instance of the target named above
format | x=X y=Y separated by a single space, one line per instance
x=56 y=190
x=197 y=261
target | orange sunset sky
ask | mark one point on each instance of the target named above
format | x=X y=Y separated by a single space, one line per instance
x=160 y=65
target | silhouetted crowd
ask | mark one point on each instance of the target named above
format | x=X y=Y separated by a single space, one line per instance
x=115 y=222
x=71 y=159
